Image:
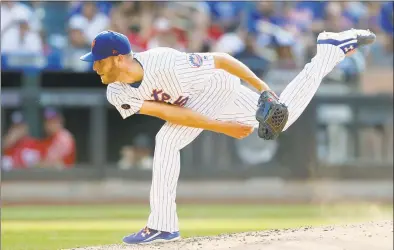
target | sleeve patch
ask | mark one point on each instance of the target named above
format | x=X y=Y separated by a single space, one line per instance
x=125 y=106
x=194 y=60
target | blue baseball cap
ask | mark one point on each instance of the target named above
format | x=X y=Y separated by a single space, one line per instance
x=106 y=44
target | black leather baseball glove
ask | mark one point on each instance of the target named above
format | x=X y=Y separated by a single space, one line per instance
x=272 y=116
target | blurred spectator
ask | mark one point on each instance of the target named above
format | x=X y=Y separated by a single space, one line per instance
x=381 y=54
x=54 y=20
x=191 y=21
x=335 y=19
x=77 y=46
x=10 y=11
x=92 y=21
x=139 y=155
x=133 y=19
x=199 y=38
x=251 y=57
x=264 y=11
x=76 y=7
x=18 y=36
x=226 y=14
x=268 y=25
x=165 y=35
x=355 y=12
x=231 y=42
x=85 y=23
x=20 y=150
x=315 y=11
x=372 y=19
x=280 y=41
x=299 y=23
x=386 y=18
x=349 y=70
x=298 y=20
x=37 y=15
x=36 y=21
x=214 y=19
x=59 y=146
x=326 y=16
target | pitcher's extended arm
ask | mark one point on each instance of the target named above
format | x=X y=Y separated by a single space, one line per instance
x=187 y=117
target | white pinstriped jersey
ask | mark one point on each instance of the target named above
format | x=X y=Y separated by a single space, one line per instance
x=169 y=76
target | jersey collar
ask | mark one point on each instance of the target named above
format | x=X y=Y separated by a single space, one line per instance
x=136 y=84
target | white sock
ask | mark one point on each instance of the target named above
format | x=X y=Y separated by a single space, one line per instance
x=299 y=92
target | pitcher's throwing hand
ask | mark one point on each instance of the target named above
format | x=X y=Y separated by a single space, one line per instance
x=237 y=130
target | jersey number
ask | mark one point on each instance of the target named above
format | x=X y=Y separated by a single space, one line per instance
x=161 y=96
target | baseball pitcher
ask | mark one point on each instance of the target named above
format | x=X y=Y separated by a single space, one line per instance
x=202 y=91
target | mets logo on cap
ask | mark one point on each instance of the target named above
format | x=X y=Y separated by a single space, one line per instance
x=93 y=43
x=194 y=60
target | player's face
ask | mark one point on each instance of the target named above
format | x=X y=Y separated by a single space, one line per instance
x=106 y=70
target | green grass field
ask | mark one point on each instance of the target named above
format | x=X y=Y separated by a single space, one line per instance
x=60 y=227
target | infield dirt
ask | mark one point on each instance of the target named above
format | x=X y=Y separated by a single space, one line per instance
x=373 y=235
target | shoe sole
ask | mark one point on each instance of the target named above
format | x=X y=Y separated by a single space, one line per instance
x=366 y=40
x=154 y=241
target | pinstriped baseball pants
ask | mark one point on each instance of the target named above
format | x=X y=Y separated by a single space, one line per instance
x=223 y=98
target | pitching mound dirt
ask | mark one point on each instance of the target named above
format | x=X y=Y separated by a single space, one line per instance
x=364 y=236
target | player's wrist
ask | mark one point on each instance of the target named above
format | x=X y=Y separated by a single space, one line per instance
x=264 y=86
x=217 y=126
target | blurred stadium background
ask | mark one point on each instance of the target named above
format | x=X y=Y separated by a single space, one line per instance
x=65 y=148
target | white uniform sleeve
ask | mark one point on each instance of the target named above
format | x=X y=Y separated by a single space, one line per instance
x=122 y=97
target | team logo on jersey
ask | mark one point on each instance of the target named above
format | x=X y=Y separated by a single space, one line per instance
x=125 y=106
x=160 y=96
x=195 y=60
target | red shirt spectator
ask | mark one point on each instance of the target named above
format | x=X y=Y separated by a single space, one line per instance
x=59 y=146
x=20 y=150
x=138 y=43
